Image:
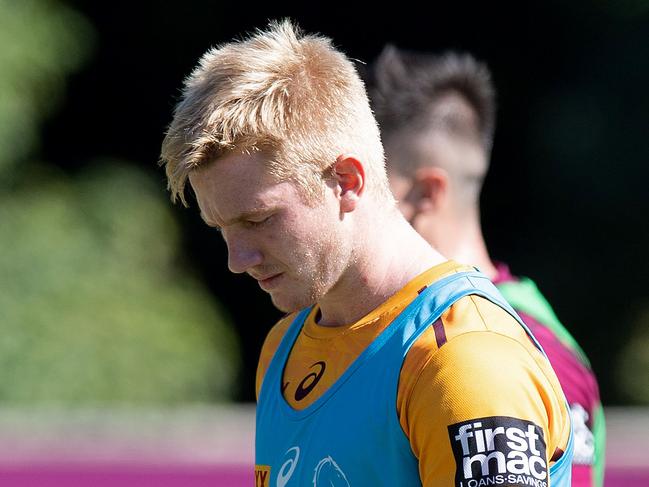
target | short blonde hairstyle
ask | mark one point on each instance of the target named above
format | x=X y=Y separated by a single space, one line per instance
x=291 y=95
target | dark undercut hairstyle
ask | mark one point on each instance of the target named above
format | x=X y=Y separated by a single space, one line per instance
x=407 y=90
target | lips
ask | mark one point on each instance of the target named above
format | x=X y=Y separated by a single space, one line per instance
x=269 y=282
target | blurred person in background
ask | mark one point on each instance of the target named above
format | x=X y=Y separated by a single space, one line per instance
x=437 y=119
x=393 y=366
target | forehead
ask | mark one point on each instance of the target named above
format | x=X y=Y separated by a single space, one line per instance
x=237 y=183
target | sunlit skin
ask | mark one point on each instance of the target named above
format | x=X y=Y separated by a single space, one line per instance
x=347 y=251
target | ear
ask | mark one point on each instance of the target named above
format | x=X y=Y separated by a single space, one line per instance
x=431 y=187
x=350 y=178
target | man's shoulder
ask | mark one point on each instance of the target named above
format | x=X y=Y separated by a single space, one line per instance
x=485 y=371
x=472 y=331
x=474 y=314
x=278 y=331
x=270 y=346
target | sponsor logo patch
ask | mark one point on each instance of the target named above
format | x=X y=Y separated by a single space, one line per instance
x=262 y=476
x=499 y=450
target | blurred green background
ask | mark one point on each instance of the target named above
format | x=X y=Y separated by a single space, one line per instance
x=96 y=306
x=110 y=295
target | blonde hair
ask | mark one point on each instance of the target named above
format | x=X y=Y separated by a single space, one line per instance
x=291 y=95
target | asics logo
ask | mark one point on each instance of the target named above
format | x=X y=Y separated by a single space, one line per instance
x=288 y=467
x=310 y=381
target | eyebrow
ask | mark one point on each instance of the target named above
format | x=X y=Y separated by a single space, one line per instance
x=246 y=215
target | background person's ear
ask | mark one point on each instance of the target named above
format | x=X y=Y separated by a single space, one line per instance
x=350 y=178
x=431 y=188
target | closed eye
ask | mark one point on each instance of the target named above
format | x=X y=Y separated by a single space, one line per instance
x=257 y=222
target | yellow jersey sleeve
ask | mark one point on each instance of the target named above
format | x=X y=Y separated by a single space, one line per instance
x=484 y=404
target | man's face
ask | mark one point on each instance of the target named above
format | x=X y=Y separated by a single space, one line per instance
x=297 y=252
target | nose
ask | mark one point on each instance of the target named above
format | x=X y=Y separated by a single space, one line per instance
x=242 y=252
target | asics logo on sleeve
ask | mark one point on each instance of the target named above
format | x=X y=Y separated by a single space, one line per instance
x=499 y=450
x=310 y=381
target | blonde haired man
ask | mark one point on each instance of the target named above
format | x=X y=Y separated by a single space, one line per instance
x=393 y=366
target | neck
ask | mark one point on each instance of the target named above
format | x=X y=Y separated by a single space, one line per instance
x=462 y=240
x=390 y=256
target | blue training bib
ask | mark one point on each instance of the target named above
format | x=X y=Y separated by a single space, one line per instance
x=351 y=436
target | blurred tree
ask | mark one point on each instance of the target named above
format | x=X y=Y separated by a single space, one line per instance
x=94 y=306
x=40 y=42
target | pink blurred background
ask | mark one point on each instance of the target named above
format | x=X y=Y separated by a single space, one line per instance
x=199 y=447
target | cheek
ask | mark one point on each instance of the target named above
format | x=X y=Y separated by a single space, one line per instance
x=303 y=247
x=290 y=243
x=305 y=234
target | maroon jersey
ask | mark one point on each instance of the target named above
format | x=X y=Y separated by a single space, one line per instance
x=573 y=371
